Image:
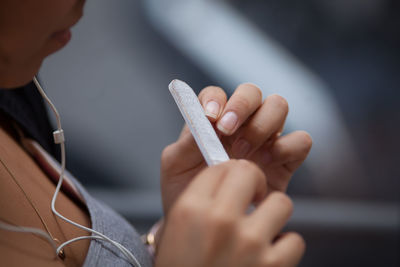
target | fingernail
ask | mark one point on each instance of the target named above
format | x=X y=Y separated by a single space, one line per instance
x=241 y=148
x=228 y=122
x=266 y=158
x=212 y=109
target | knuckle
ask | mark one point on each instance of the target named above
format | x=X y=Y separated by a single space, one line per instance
x=250 y=167
x=220 y=220
x=167 y=158
x=254 y=172
x=274 y=261
x=240 y=103
x=246 y=164
x=166 y=153
x=280 y=101
x=185 y=209
x=258 y=129
x=250 y=241
x=284 y=200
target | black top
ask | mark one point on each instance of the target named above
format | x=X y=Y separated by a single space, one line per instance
x=25 y=105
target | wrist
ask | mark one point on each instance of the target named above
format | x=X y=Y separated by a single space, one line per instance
x=152 y=238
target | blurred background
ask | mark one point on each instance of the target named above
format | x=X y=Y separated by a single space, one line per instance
x=336 y=62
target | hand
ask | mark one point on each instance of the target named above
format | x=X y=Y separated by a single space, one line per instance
x=208 y=224
x=249 y=129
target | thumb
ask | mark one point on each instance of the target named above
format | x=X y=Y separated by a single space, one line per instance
x=182 y=155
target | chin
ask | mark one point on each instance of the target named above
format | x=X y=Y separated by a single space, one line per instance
x=10 y=79
x=14 y=75
x=14 y=83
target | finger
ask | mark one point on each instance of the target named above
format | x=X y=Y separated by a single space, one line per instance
x=182 y=155
x=292 y=150
x=244 y=101
x=185 y=131
x=288 y=149
x=263 y=125
x=282 y=159
x=287 y=154
x=271 y=215
x=207 y=182
x=213 y=99
x=287 y=251
x=293 y=147
x=244 y=183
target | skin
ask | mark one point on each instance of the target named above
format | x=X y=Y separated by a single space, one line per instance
x=204 y=207
x=260 y=124
x=27 y=29
x=214 y=205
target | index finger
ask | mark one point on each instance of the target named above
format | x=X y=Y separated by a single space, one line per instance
x=213 y=99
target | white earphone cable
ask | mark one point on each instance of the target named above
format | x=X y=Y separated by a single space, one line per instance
x=31 y=230
x=59 y=139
